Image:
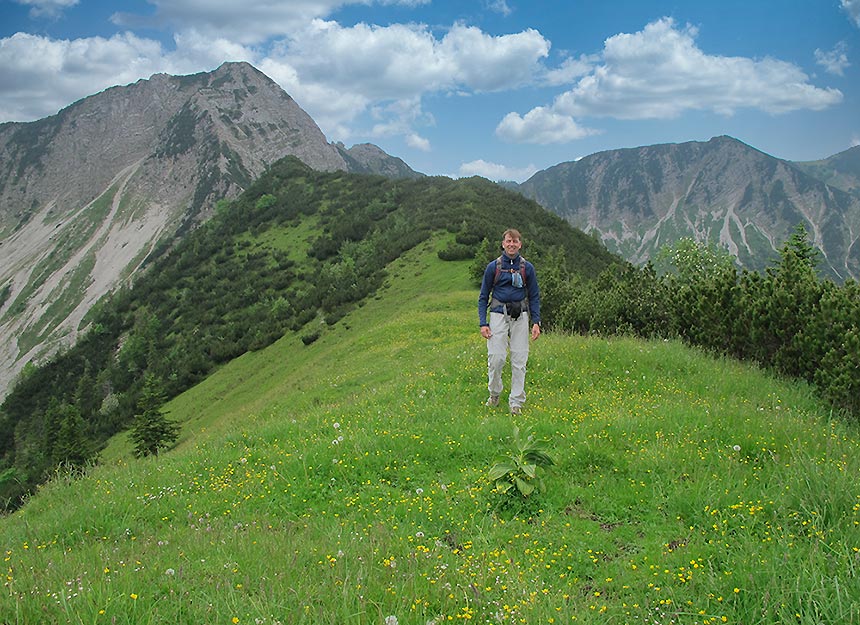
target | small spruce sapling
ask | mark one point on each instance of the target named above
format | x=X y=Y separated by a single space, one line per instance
x=152 y=431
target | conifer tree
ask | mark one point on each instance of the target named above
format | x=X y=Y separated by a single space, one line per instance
x=483 y=256
x=52 y=418
x=152 y=431
x=71 y=447
x=557 y=290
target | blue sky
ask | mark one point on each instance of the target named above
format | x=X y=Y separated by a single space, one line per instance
x=498 y=88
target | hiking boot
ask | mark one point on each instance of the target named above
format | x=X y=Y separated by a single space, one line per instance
x=516 y=410
x=493 y=401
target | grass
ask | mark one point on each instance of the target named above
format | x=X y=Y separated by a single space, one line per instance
x=345 y=482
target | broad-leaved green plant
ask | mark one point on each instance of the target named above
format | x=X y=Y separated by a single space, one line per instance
x=517 y=472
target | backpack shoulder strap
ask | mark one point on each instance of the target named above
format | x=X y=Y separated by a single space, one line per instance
x=498 y=270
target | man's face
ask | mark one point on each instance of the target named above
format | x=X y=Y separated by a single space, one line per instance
x=511 y=246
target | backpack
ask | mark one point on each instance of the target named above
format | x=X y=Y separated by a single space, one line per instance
x=499 y=270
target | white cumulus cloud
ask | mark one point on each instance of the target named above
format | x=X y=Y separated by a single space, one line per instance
x=852 y=7
x=246 y=22
x=835 y=61
x=494 y=171
x=499 y=6
x=418 y=142
x=541 y=125
x=407 y=59
x=660 y=73
x=47 y=8
x=570 y=70
x=39 y=76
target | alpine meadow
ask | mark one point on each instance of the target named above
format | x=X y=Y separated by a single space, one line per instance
x=318 y=343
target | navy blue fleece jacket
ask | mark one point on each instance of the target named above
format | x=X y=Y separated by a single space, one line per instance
x=504 y=290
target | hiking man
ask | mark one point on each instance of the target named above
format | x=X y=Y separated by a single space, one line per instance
x=510 y=293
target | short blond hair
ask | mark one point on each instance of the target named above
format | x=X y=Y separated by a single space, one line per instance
x=513 y=233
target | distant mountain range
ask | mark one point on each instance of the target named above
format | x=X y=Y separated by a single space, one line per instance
x=88 y=195
x=722 y=191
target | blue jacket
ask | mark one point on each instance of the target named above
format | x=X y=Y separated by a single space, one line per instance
x=504 y=290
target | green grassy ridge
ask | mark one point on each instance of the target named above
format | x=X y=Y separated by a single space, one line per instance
x=344 y=482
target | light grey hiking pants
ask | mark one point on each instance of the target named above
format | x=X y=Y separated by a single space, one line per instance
x=514 y=334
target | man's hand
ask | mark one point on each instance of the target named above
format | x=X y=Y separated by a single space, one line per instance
x=535 y=331
x=485 y=332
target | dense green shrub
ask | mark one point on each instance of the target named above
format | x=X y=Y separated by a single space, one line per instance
x=457 y=251
x=310 y=337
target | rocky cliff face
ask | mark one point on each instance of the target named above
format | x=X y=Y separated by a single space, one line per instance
x=723 y=191
x=841 y=171
x=366 y=158
x=86 y=195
